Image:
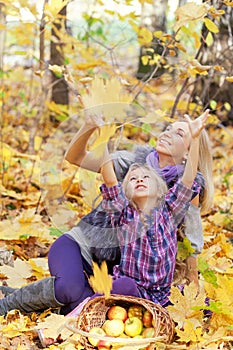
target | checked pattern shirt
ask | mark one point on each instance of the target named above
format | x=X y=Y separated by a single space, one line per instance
x=148 y=242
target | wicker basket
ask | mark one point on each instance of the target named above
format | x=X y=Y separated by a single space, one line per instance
x=94 y=313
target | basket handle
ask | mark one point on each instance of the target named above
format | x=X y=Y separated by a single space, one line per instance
x=137 y=341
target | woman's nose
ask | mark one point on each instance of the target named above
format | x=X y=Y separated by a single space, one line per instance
x=139 y=179
x=167 y=133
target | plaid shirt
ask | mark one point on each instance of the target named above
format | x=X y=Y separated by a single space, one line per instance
x=148 y=242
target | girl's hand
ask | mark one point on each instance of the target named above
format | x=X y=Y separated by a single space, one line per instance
x=198 y=124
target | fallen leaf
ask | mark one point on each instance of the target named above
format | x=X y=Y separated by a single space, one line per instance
x=101 y=281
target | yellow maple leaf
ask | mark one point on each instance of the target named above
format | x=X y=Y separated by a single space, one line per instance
x=225 y=283
x=109 y=98
x=53 y=326
x=39 y=271
x=18 y=274
x=153 y=117
x=99 y=145
x=16 y=327
x=101 y=281
x=190 y=333
x=183 y=305
x=89 y=187
x=145 y=36
x=229 y=79
x=53 y=8
x=189 y=12
x=226 y=246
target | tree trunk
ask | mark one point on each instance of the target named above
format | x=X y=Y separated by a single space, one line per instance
x=60 y=93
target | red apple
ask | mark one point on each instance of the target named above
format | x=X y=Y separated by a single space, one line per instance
x=136 y=311
x=133 y=326
x=95 y=330
x=113 y=328
x=147 y=319
x=148 y=332
x=117 y=312
x=104 y=344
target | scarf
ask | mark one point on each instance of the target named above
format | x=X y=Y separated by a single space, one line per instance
x=169 y=172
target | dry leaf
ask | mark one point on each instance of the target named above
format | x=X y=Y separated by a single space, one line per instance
x=189 y=333
x=183 y=305
x=189 y=12
x=100 y=143
x=101 y=281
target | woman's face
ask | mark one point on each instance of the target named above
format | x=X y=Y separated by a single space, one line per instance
x=174 y=141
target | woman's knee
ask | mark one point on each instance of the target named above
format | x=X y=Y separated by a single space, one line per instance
x=67 y=292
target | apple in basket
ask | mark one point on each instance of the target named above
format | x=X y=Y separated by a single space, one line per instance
x=95 y=330
x=113 y=328
x=117 y=312
x=136 y=311
x=133 y=326
x=148 y=332
x=147 y=319
x=104 y=344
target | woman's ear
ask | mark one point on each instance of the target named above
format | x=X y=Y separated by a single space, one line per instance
x=185 y=157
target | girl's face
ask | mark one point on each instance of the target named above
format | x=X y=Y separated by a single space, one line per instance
x=174 y=141
x=141 y=184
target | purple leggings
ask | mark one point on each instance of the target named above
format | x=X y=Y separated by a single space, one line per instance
x=71 y=270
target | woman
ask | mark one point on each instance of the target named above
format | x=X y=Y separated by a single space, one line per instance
x=72 y=253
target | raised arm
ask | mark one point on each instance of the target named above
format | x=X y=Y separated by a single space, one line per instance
x=107 y=171
x=77 y=151
x=195 y=127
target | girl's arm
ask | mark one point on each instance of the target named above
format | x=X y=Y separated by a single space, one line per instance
x=107 y=171
x=195 y=127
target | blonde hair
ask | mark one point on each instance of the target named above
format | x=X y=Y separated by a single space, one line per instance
x=205 y=162
x=205 y=167
x=161 y=184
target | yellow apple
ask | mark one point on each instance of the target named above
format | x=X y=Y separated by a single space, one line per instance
x=133 y=326
x=148 y=332
x=113 y=328
x=95 y=330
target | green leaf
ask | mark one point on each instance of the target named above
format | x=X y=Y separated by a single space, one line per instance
x=146 y=128
x=208 y=274
x=209 y=39
x=227 y=106
x=185 y=249
x=213 y=104
x=53 y=231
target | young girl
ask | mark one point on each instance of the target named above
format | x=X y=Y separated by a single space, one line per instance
x=149 y=218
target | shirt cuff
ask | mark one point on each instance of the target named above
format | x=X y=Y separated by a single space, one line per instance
x=194 y=191
x=110 y=192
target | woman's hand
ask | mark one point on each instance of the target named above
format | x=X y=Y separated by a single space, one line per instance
x=93 y=121
x=198 y=124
